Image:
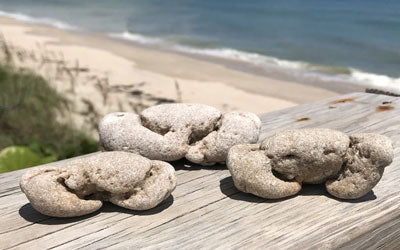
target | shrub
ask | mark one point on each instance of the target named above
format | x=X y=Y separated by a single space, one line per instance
x=17 y=157
x=30 y=112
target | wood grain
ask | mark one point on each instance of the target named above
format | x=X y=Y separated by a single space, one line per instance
x=207 y=211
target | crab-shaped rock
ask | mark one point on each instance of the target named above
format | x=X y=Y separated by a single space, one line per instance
x=350 y=166
x=80 y=187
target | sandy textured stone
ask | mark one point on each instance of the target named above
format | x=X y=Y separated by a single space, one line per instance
x=349 y=166
x=366 y=160
x=170 y=132
x=307 y=155
x=123 y=178
x=252 y=173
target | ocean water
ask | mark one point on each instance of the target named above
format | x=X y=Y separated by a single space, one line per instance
x=352 y=41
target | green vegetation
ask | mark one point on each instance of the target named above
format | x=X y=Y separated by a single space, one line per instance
x=16 y=157
x=30 y=114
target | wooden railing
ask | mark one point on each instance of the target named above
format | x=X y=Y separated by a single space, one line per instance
x=207 y=211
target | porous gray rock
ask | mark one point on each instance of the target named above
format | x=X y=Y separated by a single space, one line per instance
x=80 y=186
x=307 y=155
x=349 y=166
x=252 y=173
x=365 y=162
x=170 y=132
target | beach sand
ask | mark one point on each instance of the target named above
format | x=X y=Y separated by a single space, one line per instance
x=101 y=75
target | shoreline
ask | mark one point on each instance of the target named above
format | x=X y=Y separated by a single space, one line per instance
x=139 y=75
x=241 y=69
x=236 y=65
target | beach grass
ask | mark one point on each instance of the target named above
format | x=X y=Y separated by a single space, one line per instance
x=32 y=114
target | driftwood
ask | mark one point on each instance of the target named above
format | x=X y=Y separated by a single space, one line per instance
x=207 y=211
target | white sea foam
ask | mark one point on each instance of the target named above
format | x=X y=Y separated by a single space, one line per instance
x=253 y=58
x=136 y=38
x=44 y=20
x=374 y=80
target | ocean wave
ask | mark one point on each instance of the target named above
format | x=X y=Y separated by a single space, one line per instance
x=228 y=53
x=46 y=21
x=375 y=80
x=136 y=38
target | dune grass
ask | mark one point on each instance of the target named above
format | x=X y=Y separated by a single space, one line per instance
x=30 y=112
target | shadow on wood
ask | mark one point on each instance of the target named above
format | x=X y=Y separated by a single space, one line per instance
x=228 y=188
x=190 y=166
x=30 y=214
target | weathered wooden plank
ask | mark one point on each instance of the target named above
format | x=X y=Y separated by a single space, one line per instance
x=347 y=116
x=386 y=236
x=207 y=211
x=186 y=196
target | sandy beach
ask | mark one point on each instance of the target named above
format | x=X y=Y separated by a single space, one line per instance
x=101 y=75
